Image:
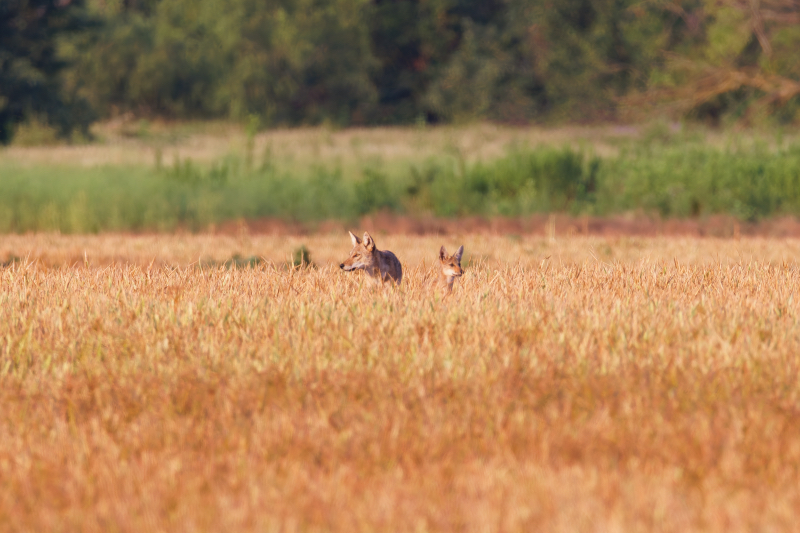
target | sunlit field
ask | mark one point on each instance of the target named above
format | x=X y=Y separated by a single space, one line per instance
x=149 y=383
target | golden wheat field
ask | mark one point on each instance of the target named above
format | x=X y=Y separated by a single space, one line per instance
x=581 y=384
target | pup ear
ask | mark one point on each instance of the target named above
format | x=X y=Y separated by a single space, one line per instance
x=459 y=253
x=368 y=242
x=353 y=238
x=442 y=253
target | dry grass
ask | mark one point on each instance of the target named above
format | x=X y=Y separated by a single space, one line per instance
x=205 y=142
x=628 y=385
x=181 y=250
x=121 y=143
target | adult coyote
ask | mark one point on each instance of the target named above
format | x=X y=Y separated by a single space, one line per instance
x=451 y=268
x=379 y=265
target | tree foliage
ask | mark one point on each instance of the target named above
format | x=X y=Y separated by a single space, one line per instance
x=30 y=66
x=399 y=61
x=740 y=60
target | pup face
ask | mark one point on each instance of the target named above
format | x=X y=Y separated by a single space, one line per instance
x=360 y=255
x=451 y=264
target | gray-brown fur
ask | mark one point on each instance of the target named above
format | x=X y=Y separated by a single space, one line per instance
x=379 y=265
x=451 y=268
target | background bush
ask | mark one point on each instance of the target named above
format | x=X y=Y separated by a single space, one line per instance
x=676 y=179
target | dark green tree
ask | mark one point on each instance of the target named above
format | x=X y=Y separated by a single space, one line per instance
x=398 y=61
x=30 y=67
x=413 y=42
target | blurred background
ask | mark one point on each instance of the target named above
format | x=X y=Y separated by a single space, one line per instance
x=357 y=62
x=679 y=108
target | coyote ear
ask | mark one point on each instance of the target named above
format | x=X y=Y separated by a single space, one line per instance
x=459 y=253
x=353 y=238
x=442 y=253
x=368 y=242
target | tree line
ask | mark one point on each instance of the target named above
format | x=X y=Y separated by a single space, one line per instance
x=355 y=62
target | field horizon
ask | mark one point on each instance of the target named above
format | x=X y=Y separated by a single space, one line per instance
x=180 y=382
x=136 y=141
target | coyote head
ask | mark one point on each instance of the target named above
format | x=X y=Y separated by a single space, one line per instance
x=361 y=257
x=451 y=264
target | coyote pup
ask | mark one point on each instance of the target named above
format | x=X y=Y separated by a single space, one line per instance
x=451 y=268
x=379 y=265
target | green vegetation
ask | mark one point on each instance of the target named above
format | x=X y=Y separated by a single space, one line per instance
x=354 y=62
x=679 y=178
x=31 y=68
x=302 y=257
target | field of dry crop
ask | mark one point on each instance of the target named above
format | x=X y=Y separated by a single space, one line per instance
x=584 y=384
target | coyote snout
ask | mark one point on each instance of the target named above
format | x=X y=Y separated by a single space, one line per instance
x=379 y=265
x=451 y=268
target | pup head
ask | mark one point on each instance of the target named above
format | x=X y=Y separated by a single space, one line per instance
x=451 y=264
x=360 y=254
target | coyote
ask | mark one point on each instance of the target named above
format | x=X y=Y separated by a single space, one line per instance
x=451 y=268
x=379 y=265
